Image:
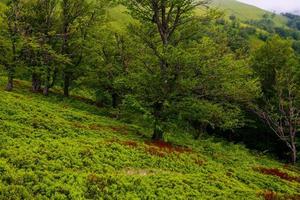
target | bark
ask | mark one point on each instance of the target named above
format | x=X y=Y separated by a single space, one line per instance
x=36 y=82
x=200 y=129
x=14 y=31
x=66 y=85
x=10 y=82
x=65 y=51
x=294 y=154
x=293 y=147
x=158 y=133
x=54 y=77
x=114 y=99
x=47 y=83
x=46 y=91
x=286 y=127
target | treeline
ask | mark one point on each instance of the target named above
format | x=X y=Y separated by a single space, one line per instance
x=290 y=31
x=47 y=39
x=170 y=67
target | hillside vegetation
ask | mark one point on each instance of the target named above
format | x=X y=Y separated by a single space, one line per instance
x=57 y=148
x=242 y=11
x=153 y=99
x=246 y=12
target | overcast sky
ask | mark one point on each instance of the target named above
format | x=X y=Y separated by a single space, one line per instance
x=276 y=5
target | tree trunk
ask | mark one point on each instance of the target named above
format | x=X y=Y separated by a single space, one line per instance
x=10 y=82
x=47 y=83
x=200 y=129
x=66 y=85
x=46 y=91
x=36 y=82
x=158 y=133
x=54 y=77
x=294 y=153
x=114 y=99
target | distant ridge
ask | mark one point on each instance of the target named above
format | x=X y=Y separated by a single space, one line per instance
x=297 y=12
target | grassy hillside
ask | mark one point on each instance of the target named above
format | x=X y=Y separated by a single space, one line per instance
x=241 y=10
x=56 y=148
x=230 y=7
x=245 y=12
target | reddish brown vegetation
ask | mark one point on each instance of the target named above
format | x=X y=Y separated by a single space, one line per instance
x=161 y=148
x=156 y=152
x=129 y=143
x=95 y=127
x=278 y=173
x=132 y=144
x=119 y=129
x=112 y=141
x=199 y=162
x=77 y=125
x=168 y=147
x=17 y=82
x=290 y=197
x=270 y=195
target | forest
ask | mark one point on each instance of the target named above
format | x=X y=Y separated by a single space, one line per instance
x=147 y=99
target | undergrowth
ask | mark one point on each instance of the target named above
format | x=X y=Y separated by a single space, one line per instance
x=58 y=148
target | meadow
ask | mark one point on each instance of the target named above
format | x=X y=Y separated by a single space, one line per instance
x=58 y=148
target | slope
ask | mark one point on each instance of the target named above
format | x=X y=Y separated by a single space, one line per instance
x=231 y=7
x=56 y=148
x=246 y=12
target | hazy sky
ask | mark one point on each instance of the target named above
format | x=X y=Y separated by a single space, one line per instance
x=276 y=5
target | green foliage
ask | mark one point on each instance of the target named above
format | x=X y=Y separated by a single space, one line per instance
x=57 y=148
x=175 y=66
x=276 y=55
x=278 y=69
x=265 y=23
x=294 y=21
x=246 y=12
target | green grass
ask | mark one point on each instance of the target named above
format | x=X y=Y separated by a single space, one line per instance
x=57 y=148
x=246 y=12
x=243 y=12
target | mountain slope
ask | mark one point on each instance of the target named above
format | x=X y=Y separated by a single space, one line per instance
x=246 y=12
x=230 y=7
x=241 y=10
x=56 y=148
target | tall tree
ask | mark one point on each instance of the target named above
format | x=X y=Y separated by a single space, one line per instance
x=279 y=107
x=219 y=83
x=39 y=51
x=77 y=18
x=164 y=22
x=109 y=62
x=10 y=32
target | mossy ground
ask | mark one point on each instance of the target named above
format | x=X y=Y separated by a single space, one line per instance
x=58 y=148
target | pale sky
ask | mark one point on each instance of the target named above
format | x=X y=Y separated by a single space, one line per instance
x=276 y=5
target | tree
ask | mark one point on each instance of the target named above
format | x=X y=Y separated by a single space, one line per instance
x=218 y=86
x=39 y=51
x=162 y=22
x=279 y=106
x=10 y=37
x=109 y=62
x=266 y=22
x=77 y=18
